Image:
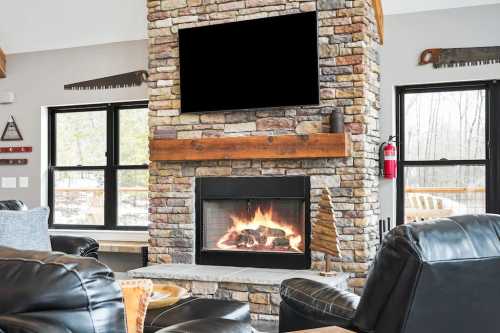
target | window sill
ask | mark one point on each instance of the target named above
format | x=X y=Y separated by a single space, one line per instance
x=104 y=235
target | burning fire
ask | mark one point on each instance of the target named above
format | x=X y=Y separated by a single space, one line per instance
x=262 y=233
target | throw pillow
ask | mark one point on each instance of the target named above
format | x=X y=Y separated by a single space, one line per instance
x=25 y=230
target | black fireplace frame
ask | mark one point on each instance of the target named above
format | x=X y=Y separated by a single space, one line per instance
x=223 y=188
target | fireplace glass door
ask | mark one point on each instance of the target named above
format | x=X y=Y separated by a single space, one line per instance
x=262 y=225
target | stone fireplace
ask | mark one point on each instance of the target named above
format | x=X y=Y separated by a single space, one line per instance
x=349 y=84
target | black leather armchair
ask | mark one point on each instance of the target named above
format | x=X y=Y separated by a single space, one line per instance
x=434 y=277
x=45 y=292
x=80 y=246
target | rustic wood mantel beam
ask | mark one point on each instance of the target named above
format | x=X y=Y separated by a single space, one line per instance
x=379 y=15
x=252 y=147
x=3 y=69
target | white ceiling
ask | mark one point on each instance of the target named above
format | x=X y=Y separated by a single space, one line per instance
x=35 y=25
x=392 y=7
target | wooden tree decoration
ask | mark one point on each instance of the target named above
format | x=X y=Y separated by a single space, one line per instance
x=324 y=232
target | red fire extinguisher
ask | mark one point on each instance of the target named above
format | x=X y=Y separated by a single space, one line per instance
x=388 y=159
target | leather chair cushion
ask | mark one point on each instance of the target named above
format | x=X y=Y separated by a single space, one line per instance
x=319 y=301
x=211 y=325
x=77 y=293
x=196 y=308
x=12 y=205
x=454 y=238
x=78 y=246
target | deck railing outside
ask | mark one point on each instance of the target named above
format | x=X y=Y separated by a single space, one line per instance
x=85 y=206
x=423 y=203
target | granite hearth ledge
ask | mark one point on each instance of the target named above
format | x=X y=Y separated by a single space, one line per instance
x=264 y=276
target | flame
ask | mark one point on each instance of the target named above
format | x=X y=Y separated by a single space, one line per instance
x=258 y=221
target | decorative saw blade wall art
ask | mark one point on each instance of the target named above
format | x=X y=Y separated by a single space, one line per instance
x=472 y=56
x=131 y=79
x=11 y=131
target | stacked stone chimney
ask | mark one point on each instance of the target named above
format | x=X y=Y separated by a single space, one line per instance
x=349 y=83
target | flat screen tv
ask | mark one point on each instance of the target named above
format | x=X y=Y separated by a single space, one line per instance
x=267 y=62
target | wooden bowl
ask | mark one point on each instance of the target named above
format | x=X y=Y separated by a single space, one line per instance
x=169 y=294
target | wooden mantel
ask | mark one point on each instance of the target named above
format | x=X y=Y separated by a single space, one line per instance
x=379 y=16
x=3 y=69
x=252 y=147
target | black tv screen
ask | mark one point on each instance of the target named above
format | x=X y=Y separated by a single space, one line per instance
x=267 y=62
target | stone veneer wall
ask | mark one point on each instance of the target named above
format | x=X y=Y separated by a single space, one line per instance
x=349 y=81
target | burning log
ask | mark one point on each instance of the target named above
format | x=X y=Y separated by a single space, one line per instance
x=281 y=242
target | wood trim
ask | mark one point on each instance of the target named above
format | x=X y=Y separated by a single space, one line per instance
x=5 y=150
x=379 y=15
x=3 y=62
x=252 y=147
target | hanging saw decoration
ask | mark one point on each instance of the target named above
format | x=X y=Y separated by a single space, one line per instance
x=132 y=79
x=472 y=56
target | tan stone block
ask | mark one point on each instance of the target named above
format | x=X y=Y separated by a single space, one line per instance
x=261 y=308
x=308 y=127
x=308 y=6
x=212 y=118
x=349 y=60
x=185 y=119
x=204 y=288
x=173 y=4
x=189 y=134
x=327 y=93
x=240 y=127
x=185 y=19
x=241 y=296
x=264 y=124
x=259 y=298
x=213 y=171
x=356 y=282
x=233 y=5
x=262 y=3
x=234 y=286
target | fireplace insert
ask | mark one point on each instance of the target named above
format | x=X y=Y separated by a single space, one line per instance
x=253 y=222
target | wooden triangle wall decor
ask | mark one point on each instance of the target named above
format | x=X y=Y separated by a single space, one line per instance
x=11 y=131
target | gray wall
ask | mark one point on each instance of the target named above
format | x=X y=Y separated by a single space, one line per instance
x=407 y=36
x=37 y=79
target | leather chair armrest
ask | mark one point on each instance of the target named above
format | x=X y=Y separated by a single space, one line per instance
x=319 y=303
x=28 y=324
x=218 y=325
x=79 y=246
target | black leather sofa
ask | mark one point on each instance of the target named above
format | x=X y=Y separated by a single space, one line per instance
x=46 y=292
x=80 y=246
x=435 y=277
x=50 y=292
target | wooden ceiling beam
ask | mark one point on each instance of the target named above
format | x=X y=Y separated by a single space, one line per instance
x=379 y=15
x=3 y=69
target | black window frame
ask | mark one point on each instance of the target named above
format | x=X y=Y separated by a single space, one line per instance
x=110 y=169
x=491 y=160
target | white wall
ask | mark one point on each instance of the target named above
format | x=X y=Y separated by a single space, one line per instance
x=38 y=78
x=407 y=36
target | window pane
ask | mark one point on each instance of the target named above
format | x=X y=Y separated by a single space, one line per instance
x=433 y=192
x=81 y=138
x=133 y=198
x=134 y=148
x=79 y=197
x=447 y=125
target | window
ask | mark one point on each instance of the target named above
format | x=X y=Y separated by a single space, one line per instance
x=445 y=165
x=98 y=166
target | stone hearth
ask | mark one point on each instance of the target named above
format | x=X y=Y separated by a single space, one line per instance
x=349 y=83
x=257 y=286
